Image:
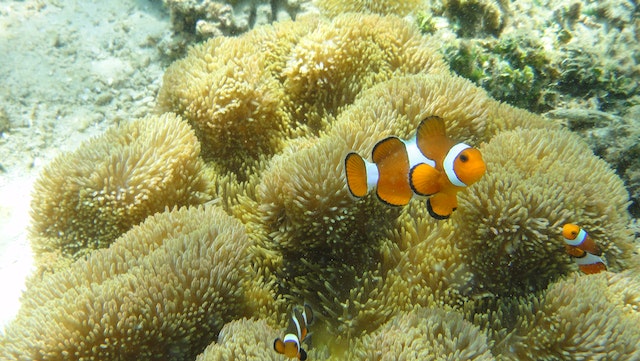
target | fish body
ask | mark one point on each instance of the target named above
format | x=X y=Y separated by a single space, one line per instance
x=291 y=344
x=428 y=164
x=580 y=246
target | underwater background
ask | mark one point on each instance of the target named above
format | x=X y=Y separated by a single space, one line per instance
x=172 y=179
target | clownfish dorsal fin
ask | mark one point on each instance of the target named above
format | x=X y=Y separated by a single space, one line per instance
x=307 y=314
x=385 y=148
x=430 y=127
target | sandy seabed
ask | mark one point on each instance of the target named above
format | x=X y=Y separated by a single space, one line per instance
x=68 y=71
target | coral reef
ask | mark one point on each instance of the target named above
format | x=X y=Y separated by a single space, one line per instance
x=547 y=55
x=194 y=20
x=86 y=199
x=614 y=139
x=295 y=75
x=276 y=110
x=592 y=317
x=511 y=240
x=569 y=58
x=160 y=292
x=514 y=69
x=333 y=8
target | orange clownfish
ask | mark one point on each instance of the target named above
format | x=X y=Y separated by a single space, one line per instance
x=429 y=164
x=291 y=345
x=583 y=249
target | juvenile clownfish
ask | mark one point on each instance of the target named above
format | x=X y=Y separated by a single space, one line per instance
x=291 y=345
x=429 y=164
x=583 y=249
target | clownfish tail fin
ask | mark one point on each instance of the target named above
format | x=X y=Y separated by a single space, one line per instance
x=356 y=171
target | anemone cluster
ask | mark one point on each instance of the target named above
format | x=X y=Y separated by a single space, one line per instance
x=226 y=240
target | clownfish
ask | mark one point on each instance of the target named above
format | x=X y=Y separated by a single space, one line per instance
x=583 y=249
x=291 y=345
x=429 y=164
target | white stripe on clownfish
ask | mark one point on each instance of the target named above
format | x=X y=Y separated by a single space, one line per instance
x=415 y=155
x=447 y=165
x=582 y=235
x=372 y=175
x=589 y=259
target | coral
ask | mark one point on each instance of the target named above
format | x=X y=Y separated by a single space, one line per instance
x=276 y=110
x=211 y=18
x=244 y=95
x=243 y=340
x=544 y=54
x=538 y=180
x=84 y=200
x=424 y=334
x=592 y=317
x=614 y=139
x=418 y=265
x=309 y=208
x=162 y=291
x=474 y=17
x=515 y=69
x=333 y=8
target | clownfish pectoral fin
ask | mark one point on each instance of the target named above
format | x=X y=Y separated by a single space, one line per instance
x=441 y=205
x=356 y=171
x=574 y=251
x=278 y=346
x=423 y=179
x=393 y=186
x=303 y=355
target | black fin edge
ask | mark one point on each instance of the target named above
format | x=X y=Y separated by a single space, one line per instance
x=434 y=214
x=411 y=183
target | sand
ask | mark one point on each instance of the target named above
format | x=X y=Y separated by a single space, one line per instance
x=68 y=70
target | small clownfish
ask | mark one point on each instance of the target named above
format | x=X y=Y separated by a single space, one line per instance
x=583 y=249
x=429 y=164
x=291 y=345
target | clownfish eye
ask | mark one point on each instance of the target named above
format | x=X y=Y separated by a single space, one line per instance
x=574 y=233
x=463 y=158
